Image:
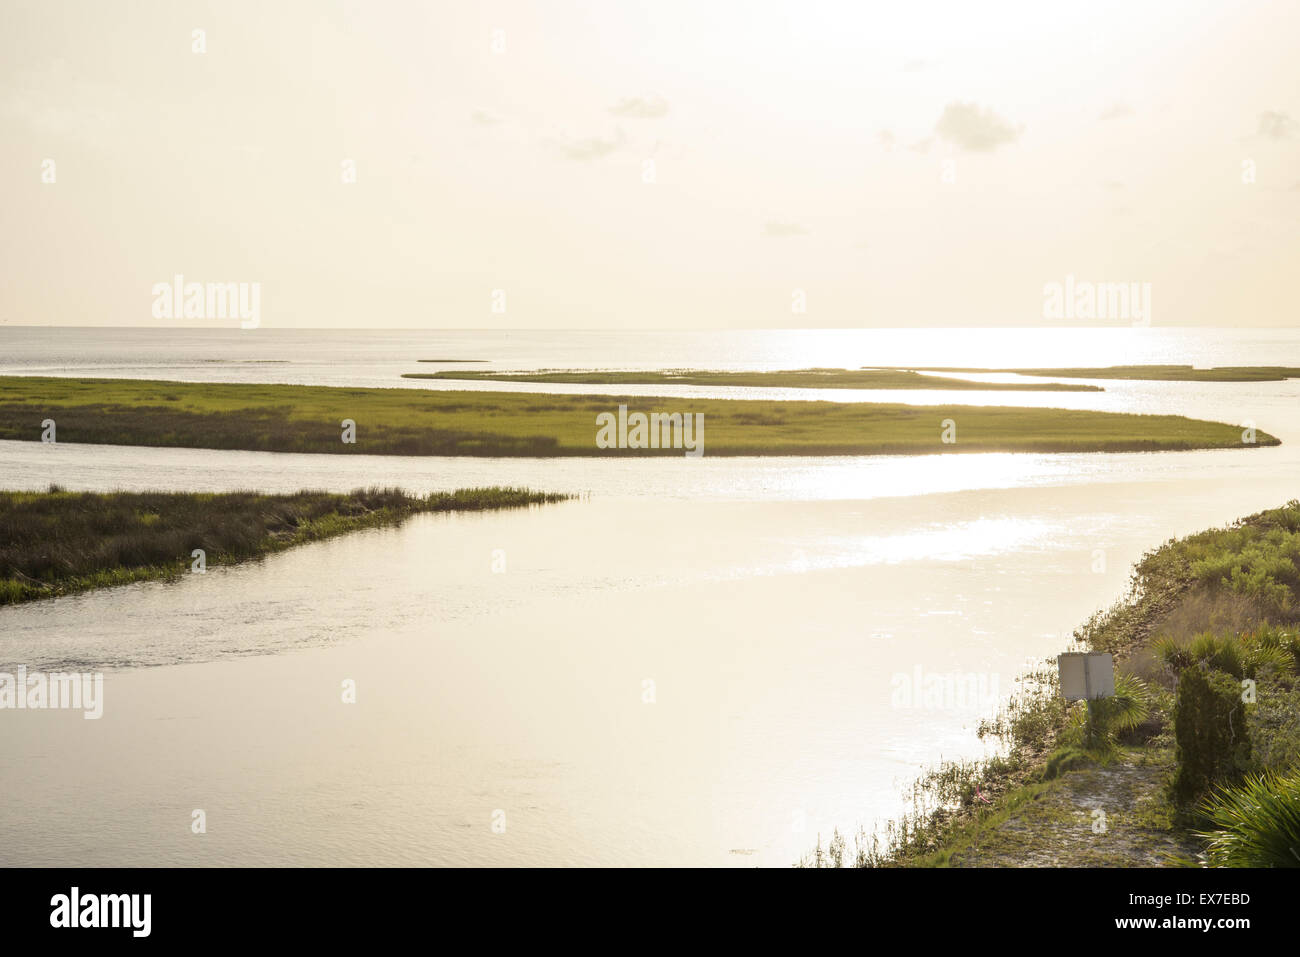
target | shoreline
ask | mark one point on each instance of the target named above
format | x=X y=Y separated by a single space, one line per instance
x=1034 y=803
x=63 y=543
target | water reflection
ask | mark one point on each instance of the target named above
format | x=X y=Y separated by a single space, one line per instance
x=770 y=602
x=771 y=631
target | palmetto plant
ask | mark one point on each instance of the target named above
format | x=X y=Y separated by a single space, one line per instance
x=1246 y=655
x=1127 y=708
x=1255 y=823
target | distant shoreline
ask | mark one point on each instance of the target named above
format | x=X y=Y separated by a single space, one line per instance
x=820 y=378
x=1142 y=373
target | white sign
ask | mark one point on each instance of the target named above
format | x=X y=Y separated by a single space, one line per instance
x=1086 y=675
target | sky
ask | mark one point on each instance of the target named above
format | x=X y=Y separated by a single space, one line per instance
x=632 y=165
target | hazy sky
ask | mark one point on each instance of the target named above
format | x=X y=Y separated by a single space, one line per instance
x=899 y=163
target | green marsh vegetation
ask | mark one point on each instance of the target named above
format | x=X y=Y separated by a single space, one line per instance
x=290 y=418
x=1167 y=373
x=782 y=379
x=58 y=542
x=1207 y=710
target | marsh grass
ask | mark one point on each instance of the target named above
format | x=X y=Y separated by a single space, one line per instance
x=288 y=418
x=58 y=542
x=1166 y=373
x=779 y=379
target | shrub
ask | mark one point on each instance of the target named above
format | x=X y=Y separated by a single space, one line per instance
x=1275 y=728
x=1211 y=741
x=1256 y=823
x=1283 y=645
x=1096 y=732
x=1127 y=708
x=1251 y=654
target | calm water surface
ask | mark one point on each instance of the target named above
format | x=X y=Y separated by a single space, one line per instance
x=770 y=602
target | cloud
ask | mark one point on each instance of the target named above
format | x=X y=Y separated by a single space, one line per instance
x=590 y=148
x=1276 y=126
x=775 y=230
x=1115 y=111
x=975 y=128
x=648 y=107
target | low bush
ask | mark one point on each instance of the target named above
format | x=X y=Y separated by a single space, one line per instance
x=1255 y=823
x=1211 y=739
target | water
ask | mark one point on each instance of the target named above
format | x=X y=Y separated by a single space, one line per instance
x=772 y=603
x=379 y=357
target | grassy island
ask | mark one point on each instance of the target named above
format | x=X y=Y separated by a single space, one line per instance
x=1162 y=373
x=293 y=418
x=781 y=379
